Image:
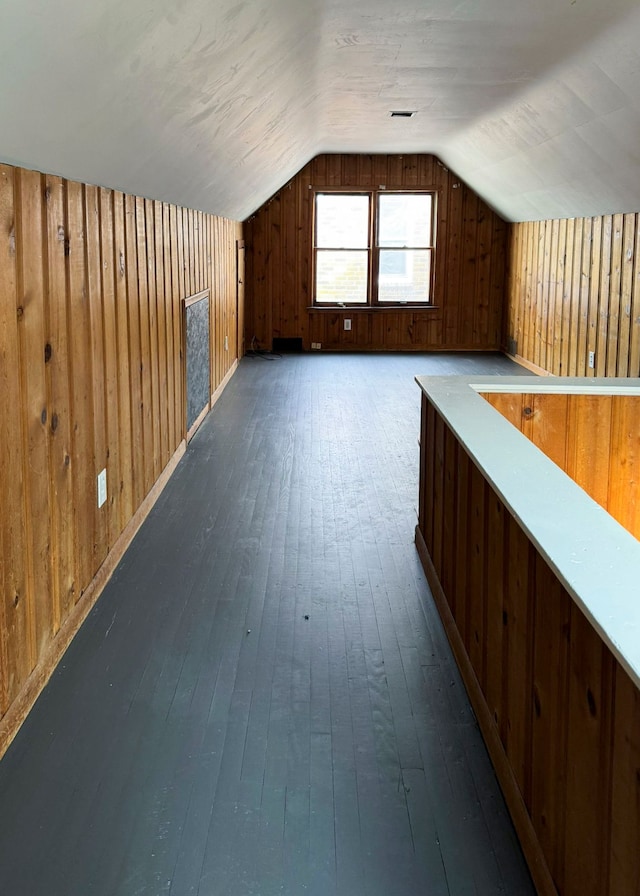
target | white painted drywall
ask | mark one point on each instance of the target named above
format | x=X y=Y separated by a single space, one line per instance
x=214 y=104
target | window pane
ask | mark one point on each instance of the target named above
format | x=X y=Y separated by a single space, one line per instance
x=342 y=221
x=404 y=219
x=341 y=277
x=404 y=275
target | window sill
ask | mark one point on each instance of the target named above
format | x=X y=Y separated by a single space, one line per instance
x=351 y=309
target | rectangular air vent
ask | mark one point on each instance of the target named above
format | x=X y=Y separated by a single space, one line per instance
x=286 y=344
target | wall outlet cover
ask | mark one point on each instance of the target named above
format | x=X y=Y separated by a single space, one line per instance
x=102 y=487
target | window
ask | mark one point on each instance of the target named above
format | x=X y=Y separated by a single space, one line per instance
x=373 y=247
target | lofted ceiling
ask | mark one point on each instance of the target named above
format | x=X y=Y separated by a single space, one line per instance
x=214 y=104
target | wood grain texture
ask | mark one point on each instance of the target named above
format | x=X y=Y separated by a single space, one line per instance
x=470 y=264
x=572 y=287
x=16 y=644
x=625 y=796
x=560 y=716
x=595 y=439
x=91 y=378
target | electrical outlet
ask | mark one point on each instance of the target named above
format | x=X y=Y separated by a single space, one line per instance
x=102 y=487
x=226 y=343
x=347 y=323
x=592 y=359
x=316 y=345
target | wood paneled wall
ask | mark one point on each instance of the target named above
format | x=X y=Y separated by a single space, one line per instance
x=595 y=439
x=560 y=715
x=469 y=277
x=91 y=377
x=574 y=288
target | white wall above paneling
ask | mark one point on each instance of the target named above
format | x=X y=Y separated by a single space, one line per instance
x=215 y=105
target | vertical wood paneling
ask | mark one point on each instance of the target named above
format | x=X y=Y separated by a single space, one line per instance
x=175 y=326
x=16 y=648
x=588 y=457
x=161 y=338
x=559 y=713
x=587 y=295
x=146 y=368
x=461 y=596
x=135 y=352
x=571 y=332
x=31 y=313
x=172 y=371
x=601 y=299
x=427 y=441
x=438 y=490
x=58 y=388
x=470 y=264
x=91 y=377
x=216 y=321
x=123 y=371
x=518 y=609
x=536 y=239
x=97 y=371
x=559 y=313
x=107 y=288
x=451 y=262
x=240 y=324
x=595 y=439
x=545 y=423
x=495 y=622
x=612 y=309
x=563 y=295
x=634 y=351
x=154 y=363
x=625 y=802
x=549 y=720
x=589 y=713
x=595 y=262
x=476 y=580
x=543 y=294
x=626 y=281
x=623 y=493
x=449 y=560
x=585 y=286
x=81 y=390
x=468 y=259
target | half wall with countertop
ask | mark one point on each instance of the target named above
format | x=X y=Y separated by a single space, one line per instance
x=537 y=586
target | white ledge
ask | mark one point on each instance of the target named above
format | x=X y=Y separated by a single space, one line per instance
x=594 y=557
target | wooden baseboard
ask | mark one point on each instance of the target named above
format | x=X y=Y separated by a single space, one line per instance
x=522 y=822
x=218 y=392
x=540 y=371
x=19 y=709
x=194 y=428
x=346 y=348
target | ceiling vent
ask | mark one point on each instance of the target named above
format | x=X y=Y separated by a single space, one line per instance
x=400 y=113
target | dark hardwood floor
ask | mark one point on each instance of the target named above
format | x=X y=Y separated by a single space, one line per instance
x=263 y=700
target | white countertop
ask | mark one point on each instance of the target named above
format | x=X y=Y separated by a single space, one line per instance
x=595 y=558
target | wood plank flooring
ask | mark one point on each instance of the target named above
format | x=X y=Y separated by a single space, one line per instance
x=263 y=700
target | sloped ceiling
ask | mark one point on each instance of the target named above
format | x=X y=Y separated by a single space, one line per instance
x=215 y=104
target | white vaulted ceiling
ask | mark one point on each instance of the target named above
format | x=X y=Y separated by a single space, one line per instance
x=215 y=104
